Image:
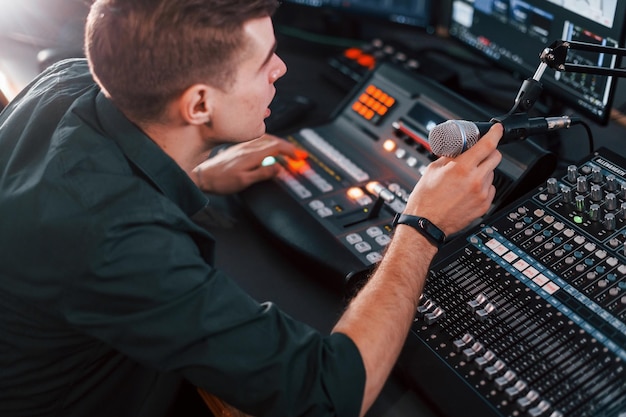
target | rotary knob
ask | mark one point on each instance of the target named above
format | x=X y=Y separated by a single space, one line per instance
x=596 y=175
x=611 y=202
x=611 y=183
x=572 y=173
x=595 y=212
x=609 y=221
x=567 y=194
x=581 y=184
x=552 y=186
x=581 y=203
x=596 y=192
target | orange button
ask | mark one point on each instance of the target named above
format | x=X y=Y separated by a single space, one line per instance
x=298 y=166
x=352 y=53
x=367 y=61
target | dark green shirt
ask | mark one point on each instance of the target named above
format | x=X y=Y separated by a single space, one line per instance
x=108 y=296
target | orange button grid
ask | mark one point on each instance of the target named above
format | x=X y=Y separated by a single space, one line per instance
x=373 y=103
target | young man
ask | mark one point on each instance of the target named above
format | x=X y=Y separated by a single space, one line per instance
x=108 y=296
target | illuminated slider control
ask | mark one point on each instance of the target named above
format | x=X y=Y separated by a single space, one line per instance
x=358 y=195
x=379 y=190
x=320 y=144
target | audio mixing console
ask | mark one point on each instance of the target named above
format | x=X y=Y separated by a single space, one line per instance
x=337 y=206
x=526 y=314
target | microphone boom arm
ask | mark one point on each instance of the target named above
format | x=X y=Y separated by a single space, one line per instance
x=555 y=56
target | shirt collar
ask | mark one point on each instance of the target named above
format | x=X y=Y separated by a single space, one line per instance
x=151 y=160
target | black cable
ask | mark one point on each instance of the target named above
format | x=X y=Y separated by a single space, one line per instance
x=563 y=162
x=592 y=147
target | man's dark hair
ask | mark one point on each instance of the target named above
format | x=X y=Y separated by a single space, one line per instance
x=144 y=53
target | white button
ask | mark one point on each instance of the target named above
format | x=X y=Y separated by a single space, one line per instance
x=363 y=247
x=354 y=238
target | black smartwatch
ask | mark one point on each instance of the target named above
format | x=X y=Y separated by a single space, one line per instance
x=422 y=225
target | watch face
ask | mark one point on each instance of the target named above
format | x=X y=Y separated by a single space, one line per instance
x=433 y=230
x=422 y=225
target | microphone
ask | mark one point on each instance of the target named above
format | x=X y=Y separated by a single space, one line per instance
x=453 y=137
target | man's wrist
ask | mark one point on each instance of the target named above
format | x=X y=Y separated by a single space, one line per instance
x=424 y=226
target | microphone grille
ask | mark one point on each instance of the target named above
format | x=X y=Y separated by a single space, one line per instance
x=453 y=137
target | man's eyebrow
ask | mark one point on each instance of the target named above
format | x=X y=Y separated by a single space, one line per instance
x=270 y=54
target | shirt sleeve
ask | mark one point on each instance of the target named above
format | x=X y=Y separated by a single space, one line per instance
x=151 y=295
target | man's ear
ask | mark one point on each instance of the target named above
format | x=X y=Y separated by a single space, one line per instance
x=196 y=104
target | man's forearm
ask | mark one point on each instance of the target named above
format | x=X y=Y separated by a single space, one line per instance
x=379 y=317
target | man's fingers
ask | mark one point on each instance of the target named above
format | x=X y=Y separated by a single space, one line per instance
x=485 y=146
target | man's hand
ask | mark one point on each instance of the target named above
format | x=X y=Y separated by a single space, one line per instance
x=240 y=166
x=455 y=191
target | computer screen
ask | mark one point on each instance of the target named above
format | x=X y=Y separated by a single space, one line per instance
x=513 y=33
x=416 y=13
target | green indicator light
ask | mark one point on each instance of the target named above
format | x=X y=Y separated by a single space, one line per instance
x=578 y=219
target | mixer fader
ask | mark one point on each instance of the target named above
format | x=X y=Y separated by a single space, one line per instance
x=526 y=314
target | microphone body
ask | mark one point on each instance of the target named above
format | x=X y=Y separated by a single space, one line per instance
x=453 y=137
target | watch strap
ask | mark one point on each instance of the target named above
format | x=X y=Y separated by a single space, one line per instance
x=424 y=226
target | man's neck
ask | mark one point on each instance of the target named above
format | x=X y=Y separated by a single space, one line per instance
x=184 y=144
